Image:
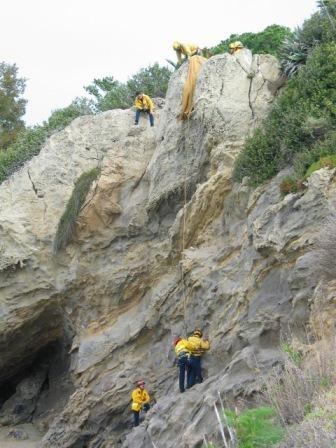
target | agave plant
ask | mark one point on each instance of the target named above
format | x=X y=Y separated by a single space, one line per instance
x=294 y=53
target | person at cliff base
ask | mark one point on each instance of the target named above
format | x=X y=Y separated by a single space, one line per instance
x=187 y=50
x=140 y=401
x=199 y=346
x=182 y=350
x=235 y=47
x=143 y=103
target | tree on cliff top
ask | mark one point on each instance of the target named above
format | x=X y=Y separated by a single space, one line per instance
x=12 y=105
x=268 y=41
x=109 y=93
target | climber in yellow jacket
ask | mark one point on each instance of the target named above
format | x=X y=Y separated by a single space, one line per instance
x=182 y=350
x=235 y=47
x=187 y=50
x=143 y=103
x=140 y=400
x=199 y=346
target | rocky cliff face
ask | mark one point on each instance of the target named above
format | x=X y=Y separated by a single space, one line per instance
x=164 y=243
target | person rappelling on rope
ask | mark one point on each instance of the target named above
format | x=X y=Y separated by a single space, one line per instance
x=140 y=400
x=183 y=350
x=199 y=346
x=186 y=50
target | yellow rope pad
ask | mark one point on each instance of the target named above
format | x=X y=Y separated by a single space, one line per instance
x=195 y=64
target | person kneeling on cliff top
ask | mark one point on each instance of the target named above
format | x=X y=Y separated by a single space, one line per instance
x=143 y=103
x=186 y=50
x=235 y=47
x=140 y=400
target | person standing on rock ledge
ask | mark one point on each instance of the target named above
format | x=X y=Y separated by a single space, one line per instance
x=182 y=349
x=199 y=346
x=140 y=400
x=143 y=103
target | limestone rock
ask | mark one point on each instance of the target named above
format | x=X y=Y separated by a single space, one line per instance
x=228 y=105
x=165 y=242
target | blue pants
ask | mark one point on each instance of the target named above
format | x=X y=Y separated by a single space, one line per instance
x=136 y=416
x=183 y=364
x=137 y=116
x=195 y=372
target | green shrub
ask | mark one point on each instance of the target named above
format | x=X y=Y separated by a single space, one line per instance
x=324 y=162
x=304 y=160
x=256 y=428
x=29 y=142
x=66 y=226
x=26 y=146
x=295 y=183
x=256 y=155
x=268 y=41
x=294 y=355
x=109 y=93
x=301 y=120
x=319 y=29
x=291 y=184
x=60 y=118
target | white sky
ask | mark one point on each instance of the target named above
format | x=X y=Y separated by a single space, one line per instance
x=62 y=45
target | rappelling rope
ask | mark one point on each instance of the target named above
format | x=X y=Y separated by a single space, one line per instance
x=184 y=296
x=187 y=106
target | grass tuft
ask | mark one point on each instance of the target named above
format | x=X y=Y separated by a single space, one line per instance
x=291 y=184
x=324 y=162
x=293 y=354
x=256 y=428
x=67 y=224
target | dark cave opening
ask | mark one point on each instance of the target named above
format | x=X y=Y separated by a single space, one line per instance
x=39 y=363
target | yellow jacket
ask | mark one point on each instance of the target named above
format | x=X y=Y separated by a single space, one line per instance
x=139 y=398
x=183 y=346
x=236 y=47
x=187 y=50
x=198 y=345
x=144 y=103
